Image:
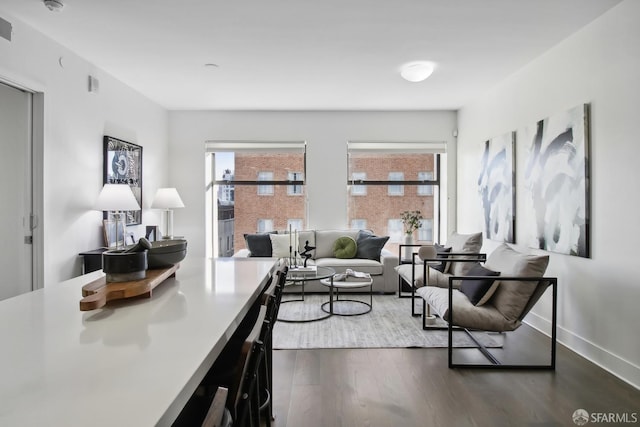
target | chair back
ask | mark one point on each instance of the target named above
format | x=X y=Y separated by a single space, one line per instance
x=537 y=293
x=245 y=396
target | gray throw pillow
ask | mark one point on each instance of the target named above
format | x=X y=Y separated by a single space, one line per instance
x=369 y=245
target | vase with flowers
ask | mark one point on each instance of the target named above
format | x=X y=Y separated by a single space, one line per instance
x=411 y=222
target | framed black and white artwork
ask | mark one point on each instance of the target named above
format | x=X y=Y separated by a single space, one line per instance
x=556 y=183
x=496 y=185
x=123 y=165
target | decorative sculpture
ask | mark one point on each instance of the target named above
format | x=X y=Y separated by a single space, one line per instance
x=306 y=254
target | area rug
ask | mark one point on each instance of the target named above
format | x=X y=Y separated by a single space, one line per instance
x=388 y=325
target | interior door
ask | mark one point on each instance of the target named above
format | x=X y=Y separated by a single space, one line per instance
x=16 y=254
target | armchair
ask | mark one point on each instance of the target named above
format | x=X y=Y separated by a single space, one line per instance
x=518 y=288
x=455 y=258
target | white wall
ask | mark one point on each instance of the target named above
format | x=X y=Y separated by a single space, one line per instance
x=326 y=134
x=74 y=124
x=599 y=65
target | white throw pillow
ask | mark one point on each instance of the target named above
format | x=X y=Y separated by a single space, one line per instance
x=279 y=245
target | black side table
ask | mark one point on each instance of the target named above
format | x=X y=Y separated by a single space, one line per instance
x=92 y=260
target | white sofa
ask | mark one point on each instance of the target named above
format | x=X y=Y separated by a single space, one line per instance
x=381 y=269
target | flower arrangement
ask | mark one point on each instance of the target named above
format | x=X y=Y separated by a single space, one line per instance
x=411 y=221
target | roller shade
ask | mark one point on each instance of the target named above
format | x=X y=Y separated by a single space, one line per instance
x=397 y=147
x=255 y=146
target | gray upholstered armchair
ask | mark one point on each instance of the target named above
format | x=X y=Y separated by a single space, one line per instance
x=494 y=297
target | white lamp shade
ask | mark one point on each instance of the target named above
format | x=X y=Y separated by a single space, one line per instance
x=116 y=197
x=167 y=198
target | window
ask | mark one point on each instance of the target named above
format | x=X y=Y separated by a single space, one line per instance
x=295 y=189
x=425 y=232
x=295 y=224
x=425 y=190
x=248 y=190
x=395 y=230
x=358 y=190
x=396 y=190
x=265 y=190
x=387 y=178
x=264 y=225
x=359 y=224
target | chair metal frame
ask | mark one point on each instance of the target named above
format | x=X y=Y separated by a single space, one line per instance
x=543 y=284
x=450 y=257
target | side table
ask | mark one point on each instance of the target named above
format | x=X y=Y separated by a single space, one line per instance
x=347 y=284
x=92 y=260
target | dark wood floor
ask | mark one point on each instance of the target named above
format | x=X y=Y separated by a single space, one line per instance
x=414 y=387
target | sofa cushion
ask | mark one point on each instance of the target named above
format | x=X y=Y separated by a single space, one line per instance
x=369 y=245
x=511 y=297
x=280 y=245
x=259 y=244
x=326 y=238
x=345 y=247
x=479 y=290
x=370 y=266
x=466 y=314
x=471 y=243
x=436 y=278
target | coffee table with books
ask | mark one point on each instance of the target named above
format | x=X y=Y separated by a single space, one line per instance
x=350 y=280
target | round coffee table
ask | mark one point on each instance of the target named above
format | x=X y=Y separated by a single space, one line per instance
x=354 y=283
x=299 y=278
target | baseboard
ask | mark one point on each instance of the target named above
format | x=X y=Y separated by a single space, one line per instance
x=621 y=368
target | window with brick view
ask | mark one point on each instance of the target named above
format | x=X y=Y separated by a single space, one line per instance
x=381 y=205
x=268 y=193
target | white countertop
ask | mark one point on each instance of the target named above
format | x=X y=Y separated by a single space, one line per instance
x=131 y=363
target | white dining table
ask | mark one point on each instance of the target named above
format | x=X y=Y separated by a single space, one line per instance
x=131 y=363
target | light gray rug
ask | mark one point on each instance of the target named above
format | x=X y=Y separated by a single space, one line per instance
x=388 y=325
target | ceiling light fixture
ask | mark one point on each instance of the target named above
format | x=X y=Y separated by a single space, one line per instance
x=416 y=71
x=54 y=5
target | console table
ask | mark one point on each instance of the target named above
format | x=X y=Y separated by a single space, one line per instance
x=133 y=362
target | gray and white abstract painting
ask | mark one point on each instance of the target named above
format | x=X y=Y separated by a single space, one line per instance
x=496 y=185
x=557 y=183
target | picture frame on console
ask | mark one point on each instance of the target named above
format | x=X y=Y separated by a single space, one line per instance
x=122 y=164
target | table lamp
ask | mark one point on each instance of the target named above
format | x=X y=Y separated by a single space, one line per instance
x=117 y=198
x=167 y=199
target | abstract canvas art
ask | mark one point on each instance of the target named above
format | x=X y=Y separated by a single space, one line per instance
x=557 y=183
x=496 y=185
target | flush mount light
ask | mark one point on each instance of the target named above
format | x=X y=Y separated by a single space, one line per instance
x=54 y=5
x=416 y=71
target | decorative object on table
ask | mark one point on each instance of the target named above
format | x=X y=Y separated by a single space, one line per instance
x=99 y=292
x=123 y=165
x=350 y=274
x=152 y=233
x=165 y=253
x=307 y=252
x=167 y=199
x=496 y=185
x=411 y=222
x=126 y=265
x=116 y=200
x=557 y=183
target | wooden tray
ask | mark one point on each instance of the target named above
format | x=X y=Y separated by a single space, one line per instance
x=98 y=293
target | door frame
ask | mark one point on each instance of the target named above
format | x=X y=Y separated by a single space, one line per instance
x=36 y=134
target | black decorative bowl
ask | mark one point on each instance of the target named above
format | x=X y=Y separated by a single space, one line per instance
x=121 y=266
x=166 y=253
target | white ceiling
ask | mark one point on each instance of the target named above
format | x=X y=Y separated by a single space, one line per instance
x=308 y=54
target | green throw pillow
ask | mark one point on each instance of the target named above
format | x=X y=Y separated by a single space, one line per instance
x=345 y=247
